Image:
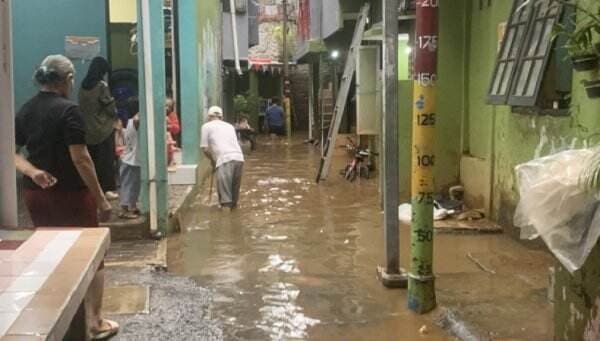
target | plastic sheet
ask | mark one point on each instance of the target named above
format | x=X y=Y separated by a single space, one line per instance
x=405 y=213
x=554 y=206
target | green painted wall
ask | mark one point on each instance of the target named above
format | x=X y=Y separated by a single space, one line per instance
x=405 y=95
x=191 y=115
x=209 y=52
x=403 y=60
x=39 y=29
x=506 y=139
x=120 y=56
x=450 y=96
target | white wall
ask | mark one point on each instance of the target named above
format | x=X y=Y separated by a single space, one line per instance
x=123 y=11
x=8 y=186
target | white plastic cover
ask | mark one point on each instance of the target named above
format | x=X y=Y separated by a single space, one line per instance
x=405 y=213
x=555 y=207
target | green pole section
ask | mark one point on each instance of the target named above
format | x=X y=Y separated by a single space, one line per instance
x=187 y=35
x=421 y=283
x=142 y=131
x=152 y=82
x=254 y=93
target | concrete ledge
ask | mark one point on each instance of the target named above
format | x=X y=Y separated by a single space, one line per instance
x=179 y=201
x=131 y=229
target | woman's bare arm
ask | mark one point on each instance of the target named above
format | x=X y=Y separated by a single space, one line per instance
x=40 y=177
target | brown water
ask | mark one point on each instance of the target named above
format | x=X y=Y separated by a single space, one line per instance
x=297 y=260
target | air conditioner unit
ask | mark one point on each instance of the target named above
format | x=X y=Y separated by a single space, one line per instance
x=241 y=6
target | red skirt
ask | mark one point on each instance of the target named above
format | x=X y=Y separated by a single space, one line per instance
x=50 y=208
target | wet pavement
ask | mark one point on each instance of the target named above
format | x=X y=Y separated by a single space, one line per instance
x=297 y=260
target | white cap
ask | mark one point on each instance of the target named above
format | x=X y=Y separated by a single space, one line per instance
x=215 y=111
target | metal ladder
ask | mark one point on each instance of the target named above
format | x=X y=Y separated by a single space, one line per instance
x=342 y=97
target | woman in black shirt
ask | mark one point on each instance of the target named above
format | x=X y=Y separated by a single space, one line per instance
x=61 y=187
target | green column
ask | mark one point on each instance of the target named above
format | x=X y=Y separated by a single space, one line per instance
x=152 y=81
x=191 y=115
x=254 y=93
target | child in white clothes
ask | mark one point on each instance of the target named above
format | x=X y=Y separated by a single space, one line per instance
x=130 y=171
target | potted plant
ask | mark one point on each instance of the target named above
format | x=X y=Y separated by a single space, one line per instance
x=584 y=53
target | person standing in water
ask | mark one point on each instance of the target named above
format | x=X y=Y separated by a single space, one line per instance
x=220 y=144
x=275 y=118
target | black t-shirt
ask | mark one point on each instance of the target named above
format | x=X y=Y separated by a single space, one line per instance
x=47 y=125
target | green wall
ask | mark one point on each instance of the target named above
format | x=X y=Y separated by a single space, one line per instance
x=507 y=139
x=120 y=56
x=210 y=81
x=188 y=79
x=209 y=52
x=450 y=96
x=405 y=95
x=403 y=60
x=39 y=30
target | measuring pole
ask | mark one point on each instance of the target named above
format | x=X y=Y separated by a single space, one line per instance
x=286 y=82
x=390 y=275
x=421 y=282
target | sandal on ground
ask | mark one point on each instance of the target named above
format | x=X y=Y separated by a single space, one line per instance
x=128 y=215
x=108 y=333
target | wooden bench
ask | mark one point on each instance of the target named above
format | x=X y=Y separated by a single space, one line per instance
x=43 y=281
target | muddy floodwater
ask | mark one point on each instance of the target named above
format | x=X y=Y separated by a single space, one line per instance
x=297 y=260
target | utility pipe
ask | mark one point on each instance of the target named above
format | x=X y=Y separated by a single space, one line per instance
x=236 y=49
x=421 y=282
x=149 y=97
x=390 y=274
x=8 y=185
x=311 y=101
x=174 y=57
x=286 y=83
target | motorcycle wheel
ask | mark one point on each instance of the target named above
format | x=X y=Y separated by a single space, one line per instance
x=350 y=173
x=365 y=172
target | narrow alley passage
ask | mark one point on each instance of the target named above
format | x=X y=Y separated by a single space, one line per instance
x=297 y=261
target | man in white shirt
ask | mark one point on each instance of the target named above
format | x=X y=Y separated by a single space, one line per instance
x=220 y=145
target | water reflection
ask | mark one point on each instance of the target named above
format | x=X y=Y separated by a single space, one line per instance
x=282 y=318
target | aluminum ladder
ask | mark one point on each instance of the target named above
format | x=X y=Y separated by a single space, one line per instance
x=342 y=97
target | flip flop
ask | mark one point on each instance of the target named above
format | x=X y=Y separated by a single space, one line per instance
x=128 y=215
x=106 y=334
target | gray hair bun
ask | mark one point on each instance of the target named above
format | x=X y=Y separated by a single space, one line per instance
x=54 y=69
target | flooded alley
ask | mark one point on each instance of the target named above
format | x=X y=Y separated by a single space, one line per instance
x=297 y=260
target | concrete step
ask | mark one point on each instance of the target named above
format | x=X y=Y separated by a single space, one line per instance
x=128 y=229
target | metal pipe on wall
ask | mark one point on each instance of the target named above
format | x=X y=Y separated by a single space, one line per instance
x=236 y=47
x=390 y=274
x=8 y=185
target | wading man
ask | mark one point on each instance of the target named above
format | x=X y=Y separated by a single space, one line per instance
x=220 y=145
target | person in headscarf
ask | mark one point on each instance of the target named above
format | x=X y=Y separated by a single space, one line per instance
x=100 y=118
x=60 y=184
